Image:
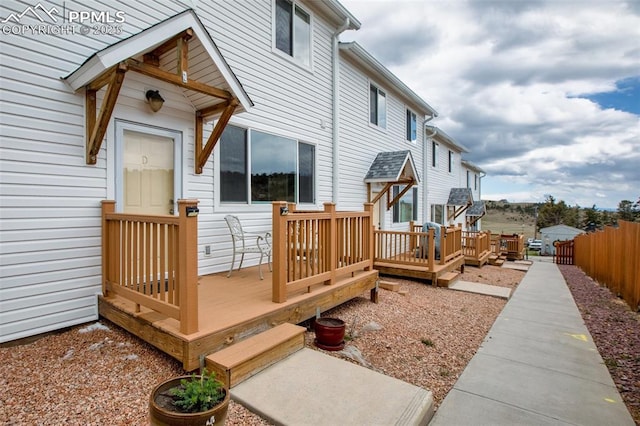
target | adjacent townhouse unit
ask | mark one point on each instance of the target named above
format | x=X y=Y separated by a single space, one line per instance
x=233 y=104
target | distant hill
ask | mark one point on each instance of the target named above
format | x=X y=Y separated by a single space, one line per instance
x=504 y=217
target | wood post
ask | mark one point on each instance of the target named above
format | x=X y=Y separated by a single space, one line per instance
x=188 y=267
x=368 y=242
x=279 y=252
x=108 y=206
x=333 y=241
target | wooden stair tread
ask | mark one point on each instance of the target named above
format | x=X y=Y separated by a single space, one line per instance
x=448 y=276
x=389 y=285
x=244 y=359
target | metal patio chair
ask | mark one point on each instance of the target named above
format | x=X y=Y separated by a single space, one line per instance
x=242 y=243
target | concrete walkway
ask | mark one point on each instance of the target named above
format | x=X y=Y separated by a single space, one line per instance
x=315 y=389
x=537 y=366
x=478 y=288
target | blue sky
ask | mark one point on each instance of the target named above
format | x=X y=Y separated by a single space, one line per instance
x=546 y=94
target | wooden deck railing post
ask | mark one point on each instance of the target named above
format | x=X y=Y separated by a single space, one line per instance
x=108 y=206
x=279 y=252
x=369 y=242
x=431 y=241
x=333 y=241
x=188 y=266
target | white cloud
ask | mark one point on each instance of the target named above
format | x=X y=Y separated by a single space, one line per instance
x=504 y=77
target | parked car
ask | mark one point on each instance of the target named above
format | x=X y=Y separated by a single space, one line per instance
x=529 y=241
x=535 y=245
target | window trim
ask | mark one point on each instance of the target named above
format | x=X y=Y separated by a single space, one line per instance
x=432 y=213
x=435 y=148
x=409 y=112
x=395 y=214
x=224 y=206
x=291 y=58
x=386 y=115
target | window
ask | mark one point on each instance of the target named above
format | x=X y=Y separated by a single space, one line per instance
x=288 y=175
x=412 y=134
x=377 y=107
x=434 y=154
x=293 y=31
x=468 y=179
x=450 y=161
x=437 y=213
x=475 y=181
x=406 y=209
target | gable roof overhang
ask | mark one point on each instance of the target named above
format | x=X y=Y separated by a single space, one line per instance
x=178 y=50
x=471 y=166
x=476 y=212
x=374 y=68
x=460 y=199
x=335 y=9
x=392 y=168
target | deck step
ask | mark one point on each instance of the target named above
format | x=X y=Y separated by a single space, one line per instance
x=244 y=359
x=448 y=278
x=389 y=285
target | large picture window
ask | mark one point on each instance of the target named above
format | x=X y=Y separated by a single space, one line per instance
x=406 y=209
x=259 y=167
x=293 y=31
x=377 y=107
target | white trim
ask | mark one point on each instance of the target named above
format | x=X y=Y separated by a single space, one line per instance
x=149 y=39
x=291 y=58
x=175 y=135
x=386 y=116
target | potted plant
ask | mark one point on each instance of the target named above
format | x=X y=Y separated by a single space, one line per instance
x=189 y=400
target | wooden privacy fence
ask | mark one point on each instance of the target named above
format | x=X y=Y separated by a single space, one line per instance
x=153 y=261
x=313 y=247
x=564 y=252
x=417 y=248
x=612 y=257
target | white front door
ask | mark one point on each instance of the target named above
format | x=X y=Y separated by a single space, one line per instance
x=149 y=170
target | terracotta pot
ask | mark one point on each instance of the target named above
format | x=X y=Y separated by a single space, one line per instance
x=160 y=416
x=329 y=333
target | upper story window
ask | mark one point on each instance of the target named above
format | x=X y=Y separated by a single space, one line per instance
x=475 y=181
x=406 y=209
x=412 y=126
x=468 y=179
x=434 y=154
x=377 y=107
x=258 y=167
x=450 y=161
x=293 y=31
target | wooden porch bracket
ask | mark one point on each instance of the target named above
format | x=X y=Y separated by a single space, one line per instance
x=387 y=187
x=96 y=128
x=202 y=153
x=153 y=57
x=453 y=212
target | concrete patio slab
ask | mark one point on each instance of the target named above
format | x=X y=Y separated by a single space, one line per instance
x=478 y=288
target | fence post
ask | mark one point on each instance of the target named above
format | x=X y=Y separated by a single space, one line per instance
x=188 y=266
x=108 y=206
x=279 y=252
x=432 y=248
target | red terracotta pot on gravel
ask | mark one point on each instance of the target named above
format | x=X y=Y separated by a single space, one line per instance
x=329 y=333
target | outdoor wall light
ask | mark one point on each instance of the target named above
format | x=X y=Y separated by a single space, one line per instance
x=154 y=99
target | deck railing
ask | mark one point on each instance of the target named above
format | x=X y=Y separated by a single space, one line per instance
x=612 y=257
x=510 y=245
x=314 y=247
x=475 y=245
x=153 y=261
x=417 y=248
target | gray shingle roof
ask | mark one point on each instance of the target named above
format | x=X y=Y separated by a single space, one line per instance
x=477 y=209
x=389 y=167
x=460 y=197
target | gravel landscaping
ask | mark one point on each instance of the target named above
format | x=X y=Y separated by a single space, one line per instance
x=99 y=374
x=615 y=330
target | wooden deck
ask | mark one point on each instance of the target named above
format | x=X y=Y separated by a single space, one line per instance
x=230 y=310
x=419 y=270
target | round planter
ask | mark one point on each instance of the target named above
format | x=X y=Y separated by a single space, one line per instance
x=329 y=333
x=161 y=416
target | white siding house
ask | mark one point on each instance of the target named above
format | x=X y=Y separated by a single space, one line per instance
x=378 y=114
x=472 y=178
x=307 y=118
x=444 y=171
x=50 y=270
